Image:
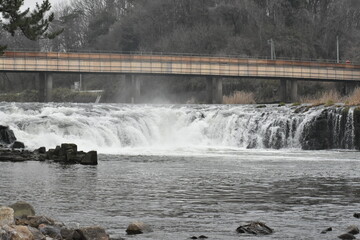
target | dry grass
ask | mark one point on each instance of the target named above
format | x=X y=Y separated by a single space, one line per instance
x=240 y=97
x=328 y=97
x=354 y=97
x=331 y=97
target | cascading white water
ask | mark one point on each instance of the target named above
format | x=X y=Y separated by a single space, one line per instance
x=111 y=128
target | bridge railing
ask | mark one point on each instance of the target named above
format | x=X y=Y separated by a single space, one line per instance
x=222 y=56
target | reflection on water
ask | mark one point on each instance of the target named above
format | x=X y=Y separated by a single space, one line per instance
x=297 y=193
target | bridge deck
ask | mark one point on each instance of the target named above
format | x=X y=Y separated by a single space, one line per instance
x=175 y=65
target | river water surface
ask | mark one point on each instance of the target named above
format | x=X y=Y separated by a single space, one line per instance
x=296 y=193
x=184 y=170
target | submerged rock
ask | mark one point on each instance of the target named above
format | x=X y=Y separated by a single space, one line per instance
x=93 y=233
x=138 y=228
x=356 y=215
x=22 y=209
x=256 y=228
x=326 y=230
x=346 y=236
x=6 y=216
x=353 y=230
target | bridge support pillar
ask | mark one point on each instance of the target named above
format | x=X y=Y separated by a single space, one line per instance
x=133 y=88
x=283 y=90
x=45 y=87
x=214 y=93
x=294 y=91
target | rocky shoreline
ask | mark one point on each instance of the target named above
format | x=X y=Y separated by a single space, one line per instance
x=19 y=222
x=12 y=150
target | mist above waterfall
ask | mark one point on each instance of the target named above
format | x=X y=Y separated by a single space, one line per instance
x=111 y=128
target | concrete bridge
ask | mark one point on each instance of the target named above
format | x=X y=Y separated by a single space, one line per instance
x=213 y=68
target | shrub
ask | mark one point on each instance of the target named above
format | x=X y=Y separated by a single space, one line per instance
x=239 y=97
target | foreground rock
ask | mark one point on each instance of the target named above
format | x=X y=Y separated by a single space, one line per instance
x=138 y=228
x=6 y=216
x=255 y=228
x=28 y=227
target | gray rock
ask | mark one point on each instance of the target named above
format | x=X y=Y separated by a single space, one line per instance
x=255 y=228
x=326 y=230
x=353 y=230
x=93 y=233
x=138 y=228
x=346 y=236
x=36 y=233
x=50 y=231
x=17 y=145
x=6 y=135
x=90 y=158
x=22 y=209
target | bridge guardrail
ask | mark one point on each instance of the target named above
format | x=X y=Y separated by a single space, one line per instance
x=141 y=53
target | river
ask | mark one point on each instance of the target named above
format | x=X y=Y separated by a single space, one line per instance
x=184 y=170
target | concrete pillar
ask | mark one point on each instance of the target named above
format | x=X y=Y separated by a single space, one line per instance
x=49 y=87
x=217 y=91
x=45 y=87
x=214 y=90
x=294 y=91
x=128 y=86
x=283 y=90
x=136 y=89
x=42 y=91
x=209 y=90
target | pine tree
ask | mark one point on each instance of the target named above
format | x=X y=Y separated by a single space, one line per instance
x=33 y=24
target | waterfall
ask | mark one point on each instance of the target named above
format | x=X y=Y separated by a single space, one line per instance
x=110 y=128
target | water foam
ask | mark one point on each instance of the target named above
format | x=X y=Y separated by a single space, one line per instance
x=111 y=128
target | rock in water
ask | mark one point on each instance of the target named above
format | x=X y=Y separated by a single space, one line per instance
x=356 y=215
x=17 y=145
x=346 y=236
x=6 y=135
x=256 y=228
x=6 y=216
x=353 y=230
x=90 y=158
x=93 y=233
x=326 y=230
x=22 y=209
x=138 y=228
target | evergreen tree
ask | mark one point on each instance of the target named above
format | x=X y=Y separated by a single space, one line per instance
x=33 y=24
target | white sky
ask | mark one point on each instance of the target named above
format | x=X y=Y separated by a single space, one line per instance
x=31 y=3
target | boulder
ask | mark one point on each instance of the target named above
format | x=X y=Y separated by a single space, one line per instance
x=36 y=233
x=93 y=233
x=6 y=135
x=17 y=233
x=138 y=228
x=22 y=209
x=41 y=150
x=356 y=215
x=256 y=228
x=346 y=236
x=352 y=230
x=90 y=158
x=17 y=145
x=35 y=221
x=6 y=216
x=50 y=231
